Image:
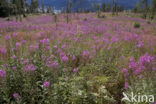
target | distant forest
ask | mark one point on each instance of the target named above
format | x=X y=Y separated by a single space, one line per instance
x=24 y=7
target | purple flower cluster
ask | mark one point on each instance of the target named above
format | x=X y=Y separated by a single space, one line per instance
x=85 y=53
x=33 y=47
x=52 y=56
x=125 y=71
x=145 y=64
x=64 y=58
x=30 y=67
x=126 y=85
x=26 y=61
x=63 y=47
x=7 y=37
x=55 y=64
x=76 y=70
x=2 y=74
x=14 y=56
x=16 y=96
x=14 y=35
x=146 y=59
x=73 y=57
x=14 y=67
x=48 y=63
x=23 y=41
x=18 y=45
x=46 y=84
x=45 y=41
x=55 y=46
x=140 y=44
x=132 y=63
x=3 y=51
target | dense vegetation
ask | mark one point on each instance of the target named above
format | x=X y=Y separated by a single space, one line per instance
x=77 y=56
x=89 y=60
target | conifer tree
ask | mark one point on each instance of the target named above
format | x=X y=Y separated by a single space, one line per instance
x=42 y=6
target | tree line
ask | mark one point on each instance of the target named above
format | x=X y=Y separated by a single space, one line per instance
x=18 y=7
x=22 y=7
x=146 y=7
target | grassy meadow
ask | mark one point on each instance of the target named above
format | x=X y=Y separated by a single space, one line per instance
x=77 y=59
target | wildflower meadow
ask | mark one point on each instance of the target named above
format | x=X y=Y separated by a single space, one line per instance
x=87 y=60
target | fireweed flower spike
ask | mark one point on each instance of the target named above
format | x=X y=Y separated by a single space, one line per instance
x=137 y=71
x=30 y=67
x=14 y=57
x=14 y=35
x=67 y=78
x=64 y=47
x=52 y=56
x=132 y=63
x=6 y=65
x=73 y=58
x=125 y=71
x=76 y=70
x=85 y=53
x=2 y=73
x=7 y=37
x=46 y=84
x=26 y=61
x=55 y=46
x=55 y=64
x=154 y=68
x=23 y=41
x=18 y=45
x=146 y=59
x=47 y=48
x=16 y=96
x=65 y=58
x=3 y=51
x=14 y=67
x=126 y=85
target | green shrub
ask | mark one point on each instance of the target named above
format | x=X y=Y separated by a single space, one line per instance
x=103 y=16
x=85 y=19
x=99 y=14
x=79 y=89
x=136 y=25
x=149 y=22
